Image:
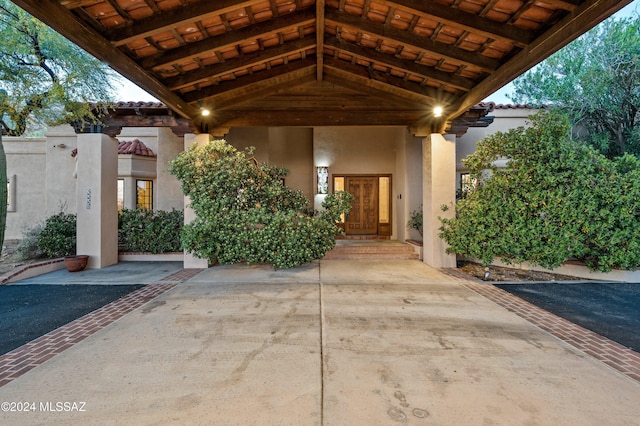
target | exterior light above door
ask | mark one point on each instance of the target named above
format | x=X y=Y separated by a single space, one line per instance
x=323 y=179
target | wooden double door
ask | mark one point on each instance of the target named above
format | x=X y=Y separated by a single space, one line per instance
x=369 y=213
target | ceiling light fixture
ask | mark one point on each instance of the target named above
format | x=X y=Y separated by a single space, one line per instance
x=437 y=111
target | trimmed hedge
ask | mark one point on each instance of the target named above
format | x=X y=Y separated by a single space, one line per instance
x=150 y=231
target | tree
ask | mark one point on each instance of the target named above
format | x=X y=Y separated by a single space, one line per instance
x=554 y=201
x=44 y=78
x=596 y=79
x=245 y=213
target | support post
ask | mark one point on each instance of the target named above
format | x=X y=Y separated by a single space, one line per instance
x=190 y=261
x=97 y=199
x=439 y=188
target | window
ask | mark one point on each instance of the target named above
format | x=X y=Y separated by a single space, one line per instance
x=120 y=194
x=144 y=196
x=338 y=185
x=384 y=199
x=466 y=185
x=11 y=193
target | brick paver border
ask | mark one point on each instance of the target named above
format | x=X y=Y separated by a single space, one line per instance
x=607 y=351
x=30 y=355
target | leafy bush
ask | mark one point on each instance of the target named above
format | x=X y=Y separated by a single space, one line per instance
x=58 y=236
x=28 y=247
x=554 y=201
x=244 y=213
x=150 y=231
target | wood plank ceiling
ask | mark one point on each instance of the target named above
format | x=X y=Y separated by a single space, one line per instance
x=321 y=62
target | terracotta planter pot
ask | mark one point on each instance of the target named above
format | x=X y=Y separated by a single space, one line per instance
x=76 y=263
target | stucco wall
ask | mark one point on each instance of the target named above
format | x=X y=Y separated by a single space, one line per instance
x=25 y=161
x=291 y=147
x=170 y=194
x=359 y=150
x=59 y=183
x=356 y=150
x=256 y=137
x=505 y=119
x=412 y=192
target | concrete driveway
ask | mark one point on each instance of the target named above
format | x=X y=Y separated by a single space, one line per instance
x=333 y=343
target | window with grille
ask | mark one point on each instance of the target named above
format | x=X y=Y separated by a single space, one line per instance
x=144 y=196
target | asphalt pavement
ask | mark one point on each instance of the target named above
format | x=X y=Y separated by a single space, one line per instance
x=609 y=309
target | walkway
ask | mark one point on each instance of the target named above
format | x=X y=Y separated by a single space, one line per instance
x=333 y=343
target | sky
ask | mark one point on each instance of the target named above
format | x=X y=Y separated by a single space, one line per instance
x=127 y=91
x=500 y=96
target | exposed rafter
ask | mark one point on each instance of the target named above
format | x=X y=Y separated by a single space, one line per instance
x=321 y=62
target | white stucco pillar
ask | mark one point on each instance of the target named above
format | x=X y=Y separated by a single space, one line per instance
x=97 y=210
x=190 y=261
x=439 y=187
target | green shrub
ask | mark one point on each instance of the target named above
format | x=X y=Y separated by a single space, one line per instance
x=58 y=236
x=150 y=231
x=28 y=247
x=554 y=201
x=244 y=213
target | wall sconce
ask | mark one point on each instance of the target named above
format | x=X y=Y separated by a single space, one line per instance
x=323 y=179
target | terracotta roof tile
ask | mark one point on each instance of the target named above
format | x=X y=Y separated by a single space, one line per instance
x=493 y=105
x=135 y=147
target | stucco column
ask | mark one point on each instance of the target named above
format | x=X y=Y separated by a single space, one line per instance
x=97 y=209
x=190 y=261
x=439 y=188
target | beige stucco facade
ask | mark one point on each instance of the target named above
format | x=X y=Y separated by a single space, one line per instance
x=43 y=181
x=424 y=171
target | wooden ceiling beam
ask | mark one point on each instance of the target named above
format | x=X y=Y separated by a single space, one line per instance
x=66 y=23
x=320 y=7
x=381 y=82
x=308 y=118
x=401 y=64
x=228 y=39
x=285 y=82
x=170 y=19
x=374 y=92
x=253 y=83
x=583 y=18
x=413 y=40
x=464 y=20
x=240 y=63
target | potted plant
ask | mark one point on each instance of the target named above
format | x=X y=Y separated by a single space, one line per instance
x=76 y=263
x=415 y=220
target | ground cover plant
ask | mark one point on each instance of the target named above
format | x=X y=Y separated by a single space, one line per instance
x=245 y=213
x=555 y=200
x=151 y=231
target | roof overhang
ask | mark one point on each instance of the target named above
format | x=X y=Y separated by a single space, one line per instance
x=321 y=62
